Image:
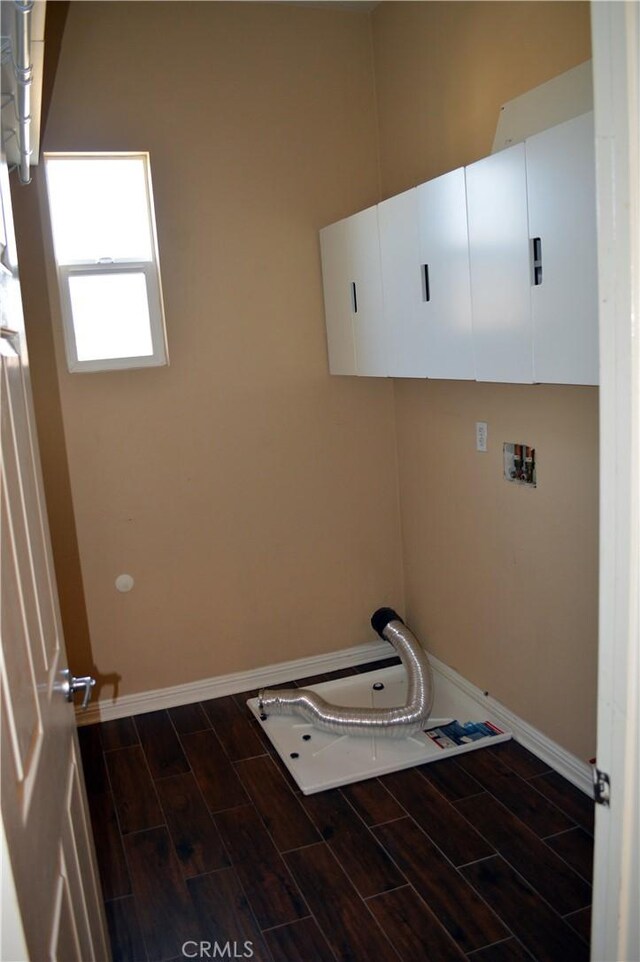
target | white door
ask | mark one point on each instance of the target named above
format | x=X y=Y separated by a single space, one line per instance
x=338 y=295
x=43 y=799
x=562 y=223
x=403 y=286
x=500 y=267
x=446 y=289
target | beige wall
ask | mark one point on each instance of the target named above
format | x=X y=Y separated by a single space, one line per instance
x=253 y=497
x=500 y=582
x=242 y=487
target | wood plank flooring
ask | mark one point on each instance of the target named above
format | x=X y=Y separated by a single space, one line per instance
x=202 y=836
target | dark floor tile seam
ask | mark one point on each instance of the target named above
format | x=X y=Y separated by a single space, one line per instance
x=163 y=778
x=223 y=810
x=318 y=926
x=512 y=938
x=129 y=873
x=411 y=886
x=531 y=781
x=248 y=758
x=589 y=881
x=528 y=884
x=568 y=915
x=150 y=828
x=227 y=868
x=564 y=831
x=265 y=826
x=434 y=840
x=144 y=754
x=122 y=834
x=311 y=915
x=396 y=888
x=300 y=848
x=527 y=781
x=120 y=748
x=506 y=859
x=214 y=729
x=375 y=923
x=199 y=704
x=291 y=876
x=375 y=842
x=437 y=788
x=207 y=809
x=495 y=749
x=386 y=821
x=184 y=751
x=213 y=871
x=278 y=853
x=474 y=861
x=466 y=882
x=282 y=925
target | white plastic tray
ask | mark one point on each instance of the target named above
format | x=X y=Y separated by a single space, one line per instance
x=319 y=760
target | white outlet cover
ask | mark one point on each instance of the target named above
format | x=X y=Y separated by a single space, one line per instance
x=481 y=435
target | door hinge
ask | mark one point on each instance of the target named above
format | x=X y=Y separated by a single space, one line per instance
x=601 y=787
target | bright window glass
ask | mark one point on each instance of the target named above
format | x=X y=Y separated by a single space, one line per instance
x=105 y=247
x=110 y=316
x=99 y=209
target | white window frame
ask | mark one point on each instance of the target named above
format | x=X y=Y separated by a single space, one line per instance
x=150 y=269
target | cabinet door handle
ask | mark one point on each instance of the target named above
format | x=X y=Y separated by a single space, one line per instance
x=354 y=297
x=426 y=290
x=536 y=260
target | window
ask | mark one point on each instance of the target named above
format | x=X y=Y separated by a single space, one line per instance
x=106 y=253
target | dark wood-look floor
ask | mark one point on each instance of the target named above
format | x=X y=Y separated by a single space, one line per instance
x=202 y=836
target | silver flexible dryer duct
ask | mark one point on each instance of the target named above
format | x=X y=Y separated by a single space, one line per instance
x=412 y=717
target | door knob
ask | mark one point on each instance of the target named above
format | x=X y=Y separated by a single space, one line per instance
x=70 y=685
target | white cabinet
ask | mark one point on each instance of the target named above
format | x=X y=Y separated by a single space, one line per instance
x=562 y=225
x=445 y=294
x=424 y=256
x=500 y=267
x=407 y=335
x=487 y=272
x=352 y=284
x=366 y=293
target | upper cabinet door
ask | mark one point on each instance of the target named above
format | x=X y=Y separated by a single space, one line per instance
x=366 y=293
x=406 y=330
x=445 y=294
x=353 y=306
x=334 y=248
x=500 y=267
x=562 y=224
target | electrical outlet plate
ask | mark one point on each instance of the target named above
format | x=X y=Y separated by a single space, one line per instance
x=481 y=435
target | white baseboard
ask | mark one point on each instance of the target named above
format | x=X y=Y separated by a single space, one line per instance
x=237 y=681
x=573 y=769
x=562 y=761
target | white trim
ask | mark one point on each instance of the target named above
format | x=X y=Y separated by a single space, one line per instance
x=569 y=766
x=616 y=873
x=73 y=268
x=558 y=758
x=233 y=683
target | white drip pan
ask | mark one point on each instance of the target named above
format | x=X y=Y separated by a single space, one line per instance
x=319 y=760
